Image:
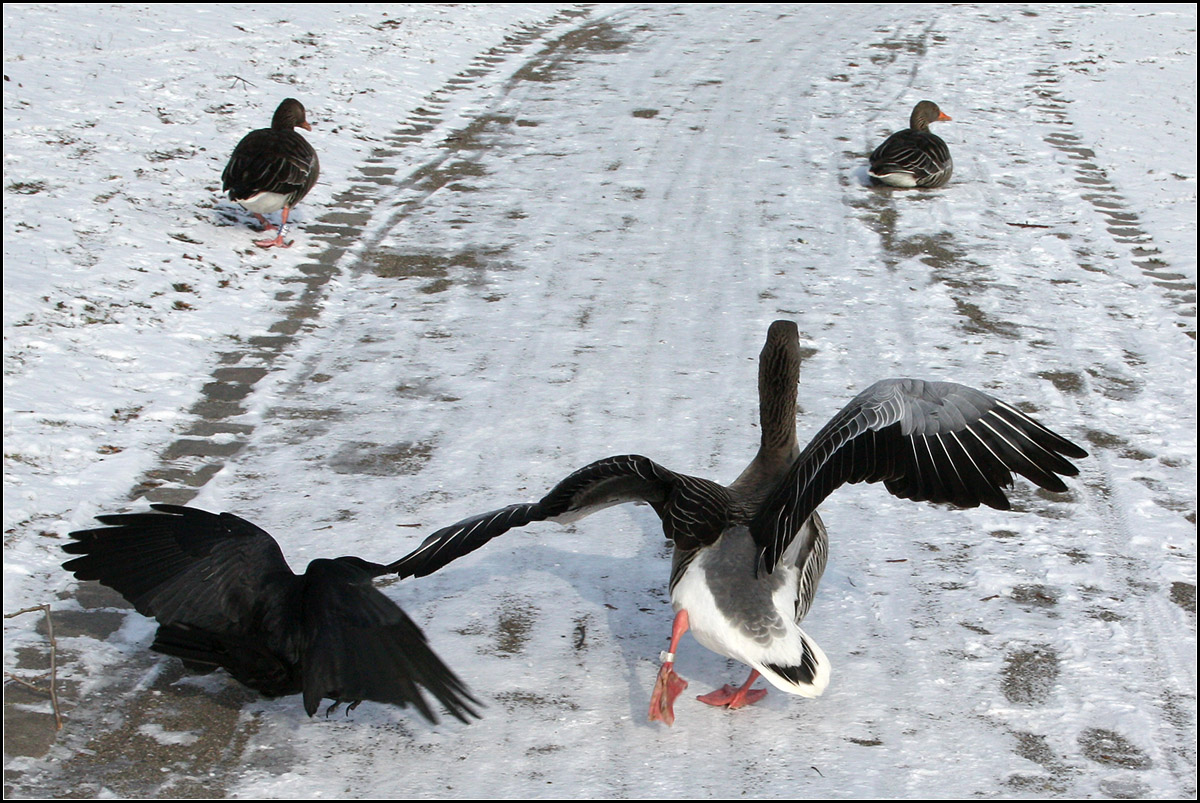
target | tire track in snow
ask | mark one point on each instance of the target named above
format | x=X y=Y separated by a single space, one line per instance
x=931 y=263
x=1162 y=671
x=993 y=307
x=1120 y=219
x=350 y=232
x=1160 y=665
x=119 y=753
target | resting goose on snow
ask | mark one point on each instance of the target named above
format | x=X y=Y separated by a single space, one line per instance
x=224 y=596
x=272 y=169
x=914 y=157
x=748 y=556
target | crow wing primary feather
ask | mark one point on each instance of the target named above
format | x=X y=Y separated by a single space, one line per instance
x=926 y=441
x=182 y=564
x=359 y=645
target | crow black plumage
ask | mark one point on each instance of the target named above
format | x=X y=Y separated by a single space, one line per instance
x=224 y=596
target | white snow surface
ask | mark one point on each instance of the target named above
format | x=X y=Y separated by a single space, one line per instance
x=573 y=225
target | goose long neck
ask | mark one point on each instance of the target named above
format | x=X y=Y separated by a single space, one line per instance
x=778 y=375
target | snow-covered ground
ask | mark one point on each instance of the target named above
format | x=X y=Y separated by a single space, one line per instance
x=549 y=233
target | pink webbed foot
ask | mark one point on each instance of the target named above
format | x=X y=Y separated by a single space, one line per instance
x=278 y=241
x=667 y=687
x=729 y=697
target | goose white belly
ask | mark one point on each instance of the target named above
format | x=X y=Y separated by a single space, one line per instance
x=898 y=179
x=755 y=621
x=264 y=203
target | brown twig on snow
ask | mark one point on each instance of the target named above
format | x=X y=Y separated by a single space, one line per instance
x=52 y=691
x=1030 y=226
x=237 y=78
x=23 y=682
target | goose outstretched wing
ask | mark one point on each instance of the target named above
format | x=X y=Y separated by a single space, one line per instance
x=926 y=441
x=694 y=511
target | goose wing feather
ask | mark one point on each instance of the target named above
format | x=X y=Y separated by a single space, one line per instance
x=273 y=161
x=693 y=510
x=918 y=152
x=926 y=441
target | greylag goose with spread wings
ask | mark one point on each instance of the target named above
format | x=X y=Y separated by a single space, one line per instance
x=748 y=556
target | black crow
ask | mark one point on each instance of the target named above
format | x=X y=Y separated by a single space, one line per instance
x=224 y=596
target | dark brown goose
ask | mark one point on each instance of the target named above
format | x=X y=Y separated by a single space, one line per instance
x=224 y=596
x=748 y=556
x=914 y=157
x=273 y=169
